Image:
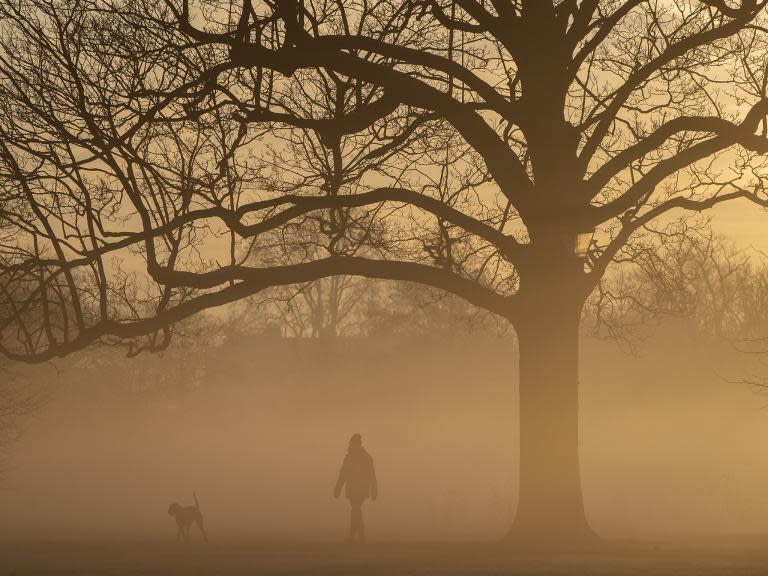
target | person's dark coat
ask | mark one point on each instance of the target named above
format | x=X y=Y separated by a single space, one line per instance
x=357 y=475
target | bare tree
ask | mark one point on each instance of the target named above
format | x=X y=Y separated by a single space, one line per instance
x=323 y=309
x=686 y=271
x=682 y=270
x=504 y=151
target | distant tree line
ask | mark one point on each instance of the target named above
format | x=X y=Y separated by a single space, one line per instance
x=692 y=274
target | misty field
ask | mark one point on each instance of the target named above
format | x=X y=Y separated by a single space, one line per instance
x=165 y=558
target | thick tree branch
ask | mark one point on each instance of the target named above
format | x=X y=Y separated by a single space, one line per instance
x=726 y=135
x=300 y=206
x=329 y=52
x=675 y=50
x=249 y=281
x=703 y=124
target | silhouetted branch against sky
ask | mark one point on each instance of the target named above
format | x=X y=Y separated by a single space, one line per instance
x=159 y=158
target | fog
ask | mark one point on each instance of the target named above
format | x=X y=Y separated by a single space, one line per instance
x=670 y=443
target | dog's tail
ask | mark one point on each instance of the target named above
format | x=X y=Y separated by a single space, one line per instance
x=194 y=495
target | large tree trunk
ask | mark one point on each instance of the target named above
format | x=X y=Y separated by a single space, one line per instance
x=550 y=512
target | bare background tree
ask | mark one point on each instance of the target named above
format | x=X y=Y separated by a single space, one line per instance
x=161 y=158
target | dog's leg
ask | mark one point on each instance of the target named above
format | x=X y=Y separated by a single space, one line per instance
x=199 y=522
x=202 y=530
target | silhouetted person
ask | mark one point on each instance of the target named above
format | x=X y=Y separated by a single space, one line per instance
x=358 y=478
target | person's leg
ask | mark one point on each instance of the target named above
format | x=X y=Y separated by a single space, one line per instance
x=357 y=526
x=360 y=523
x=352 y=521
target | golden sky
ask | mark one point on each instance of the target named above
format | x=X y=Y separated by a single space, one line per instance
x=742 y=222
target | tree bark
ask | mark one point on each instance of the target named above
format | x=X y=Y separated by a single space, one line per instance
x=550 y=511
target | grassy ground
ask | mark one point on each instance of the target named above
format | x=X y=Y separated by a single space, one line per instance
x=219 y=559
